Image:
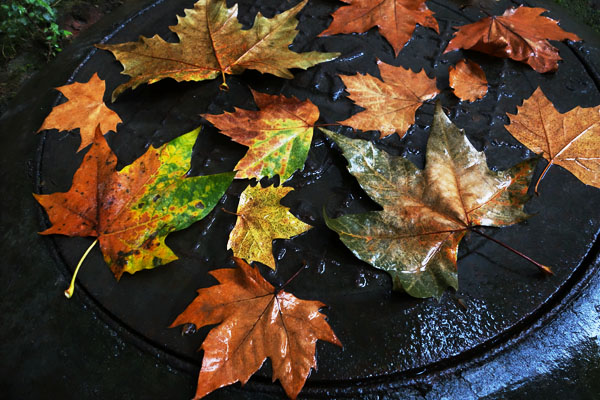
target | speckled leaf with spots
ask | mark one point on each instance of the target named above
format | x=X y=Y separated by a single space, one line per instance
x=133 y=210
x=278 y=135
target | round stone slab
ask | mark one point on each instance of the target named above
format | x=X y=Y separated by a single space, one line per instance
x=503 y=310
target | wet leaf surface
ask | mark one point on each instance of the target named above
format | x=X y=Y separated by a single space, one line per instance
x=427 y=212
x=278 y=135
x=396 y=19
x=261 y=219
x=132 y=211
x=85 y=110
x=521 y=34
x=571 y=139
x=255 y=321
x=468 y=80
x=213 y=43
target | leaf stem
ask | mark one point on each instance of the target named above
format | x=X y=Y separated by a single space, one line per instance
x=71 y=289
x=231 y=212
x=322 y=125
x=304 y=265
x=542 y=267
x=542 y=176
x=224 y=85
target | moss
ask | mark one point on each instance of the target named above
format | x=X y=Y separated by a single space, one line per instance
x=586 y=11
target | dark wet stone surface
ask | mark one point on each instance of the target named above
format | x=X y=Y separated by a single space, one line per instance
x=418 y=347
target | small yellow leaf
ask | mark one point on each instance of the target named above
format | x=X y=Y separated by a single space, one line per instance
x=261 y=218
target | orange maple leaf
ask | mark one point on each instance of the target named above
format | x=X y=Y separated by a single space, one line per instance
x=396 y=19
x=520 y=34
x=571 y=140
x=256 y=321
x=390 y=105
x=468 y=80
x=84 y=110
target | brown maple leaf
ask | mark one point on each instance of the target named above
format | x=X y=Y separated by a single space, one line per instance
x=571 y=140
x=131 y=211
x=85 y=109
x=396 y=19
x=520 y=34
x=256 y=321
x=390 y=104
x=468 y=80
x=213 y=43
x=278 y=135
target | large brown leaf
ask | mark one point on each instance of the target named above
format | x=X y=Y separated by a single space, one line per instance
x=256 y=321
x=132 y=211
x=396 y=19
x=213 y=43
x=571 y=140
x=85 y=109
x=427 y=212
x=520 y=34
x=390 y=102
x=278 y=135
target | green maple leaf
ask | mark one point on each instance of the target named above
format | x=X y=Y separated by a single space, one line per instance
x=427 y=212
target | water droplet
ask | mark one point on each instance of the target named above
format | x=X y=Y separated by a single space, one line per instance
x=361 y=280
x=281 y=254
x=321 y=268
x=188 y=329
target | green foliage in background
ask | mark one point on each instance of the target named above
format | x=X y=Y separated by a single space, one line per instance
x=22 y=21
x=583 y=10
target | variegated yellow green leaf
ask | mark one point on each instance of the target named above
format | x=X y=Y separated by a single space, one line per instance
x=213 y=43
x=427 y=212
x=261 y=218
x=133 y=210
x=278 y=135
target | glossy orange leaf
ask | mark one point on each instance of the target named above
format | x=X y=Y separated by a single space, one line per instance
x=132 y=211
x=520 y=34
x=84 y=110
x=390 y=102
x=468 y=80
x=571 y=140
x=212 y=44
x=255 y=321
x=396 y=19
x=278 y=135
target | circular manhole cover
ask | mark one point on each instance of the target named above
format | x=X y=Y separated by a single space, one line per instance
x=386 y=336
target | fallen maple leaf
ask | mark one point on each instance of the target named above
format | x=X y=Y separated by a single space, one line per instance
x=571 y=140
x=390 y=105
x=278 y=135
x=256 y=321
x=396 y=19
x=261 y=219
x=133 y=210
x=520 y=34
x=213 y=43
x=85 y=109
x=468 y=81
x=427 y=212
